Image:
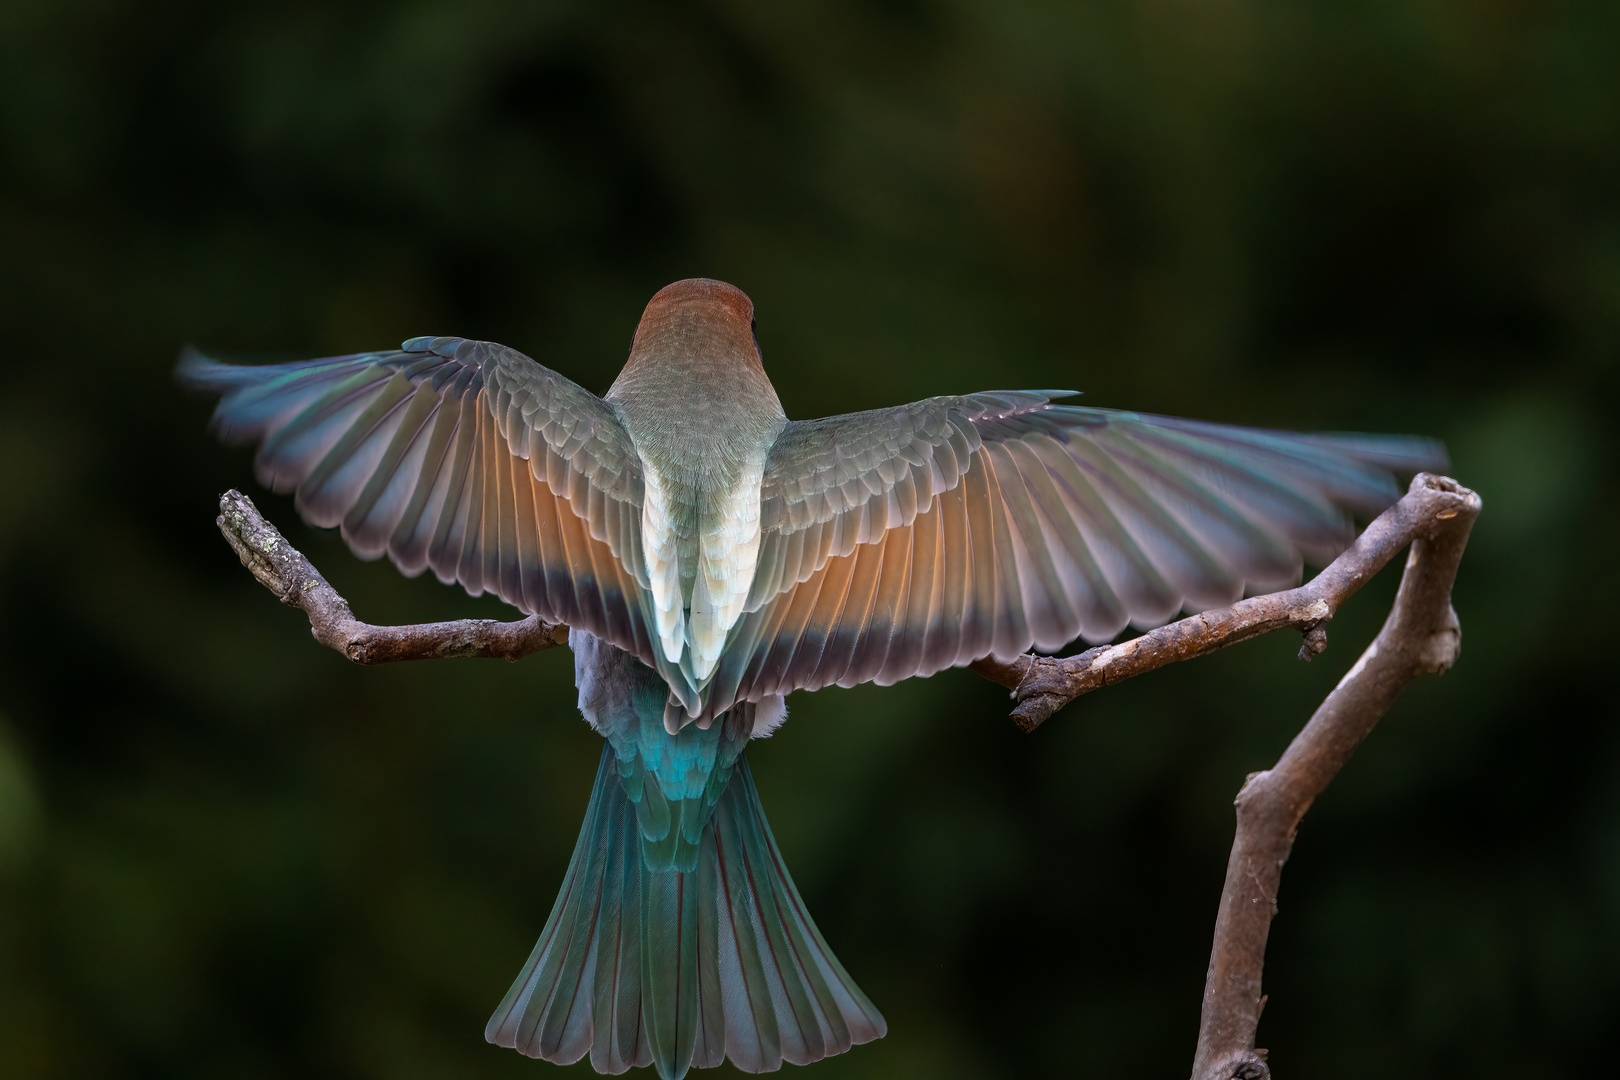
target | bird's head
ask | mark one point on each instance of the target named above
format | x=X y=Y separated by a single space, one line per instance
x=696 y=328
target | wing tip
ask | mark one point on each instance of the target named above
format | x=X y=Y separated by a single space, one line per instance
x=199 y=373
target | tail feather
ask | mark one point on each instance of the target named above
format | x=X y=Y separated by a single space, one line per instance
x=709 y=1044
x=669 y=945
x=619 y=1036
x=798 y=1003
x=556 y=978
x=681 y=969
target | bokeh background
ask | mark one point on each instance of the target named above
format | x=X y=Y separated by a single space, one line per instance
x=226 y=852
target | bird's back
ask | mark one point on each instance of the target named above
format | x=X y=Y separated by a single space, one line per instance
x=696 y=402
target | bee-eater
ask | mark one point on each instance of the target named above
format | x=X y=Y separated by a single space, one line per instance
x=709 y=555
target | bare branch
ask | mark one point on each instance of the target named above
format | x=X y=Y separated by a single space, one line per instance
x=1421 y=636
x=284 y=570
x=1042 y=685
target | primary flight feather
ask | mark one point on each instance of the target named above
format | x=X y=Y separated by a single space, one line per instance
x=710 y=556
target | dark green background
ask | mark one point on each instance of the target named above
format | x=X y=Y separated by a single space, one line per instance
x=226 y=852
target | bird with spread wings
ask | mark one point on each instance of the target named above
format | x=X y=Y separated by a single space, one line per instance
x=710 y=556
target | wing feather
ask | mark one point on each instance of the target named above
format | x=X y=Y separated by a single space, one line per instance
x=383 y=500
x=890 y=607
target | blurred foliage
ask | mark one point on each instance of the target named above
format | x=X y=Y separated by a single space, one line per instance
x=226 y=852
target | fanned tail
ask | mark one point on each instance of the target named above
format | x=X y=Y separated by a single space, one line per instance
x=681 y=969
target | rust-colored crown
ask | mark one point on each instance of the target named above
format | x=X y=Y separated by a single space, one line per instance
x=695 y=325
x=704 y=297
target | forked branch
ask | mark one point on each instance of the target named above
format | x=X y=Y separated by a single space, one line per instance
x=1421 y=636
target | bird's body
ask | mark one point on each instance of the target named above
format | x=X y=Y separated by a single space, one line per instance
x=703 y=456
x=711 y=556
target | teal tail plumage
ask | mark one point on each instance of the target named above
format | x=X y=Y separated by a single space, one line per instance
x=681 y=968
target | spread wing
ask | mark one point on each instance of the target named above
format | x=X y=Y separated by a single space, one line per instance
x=903 y=541
x=463 y=456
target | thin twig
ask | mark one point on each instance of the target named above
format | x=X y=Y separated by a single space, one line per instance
x=1042 y=685
x=1421 y=636
x=284 y=570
